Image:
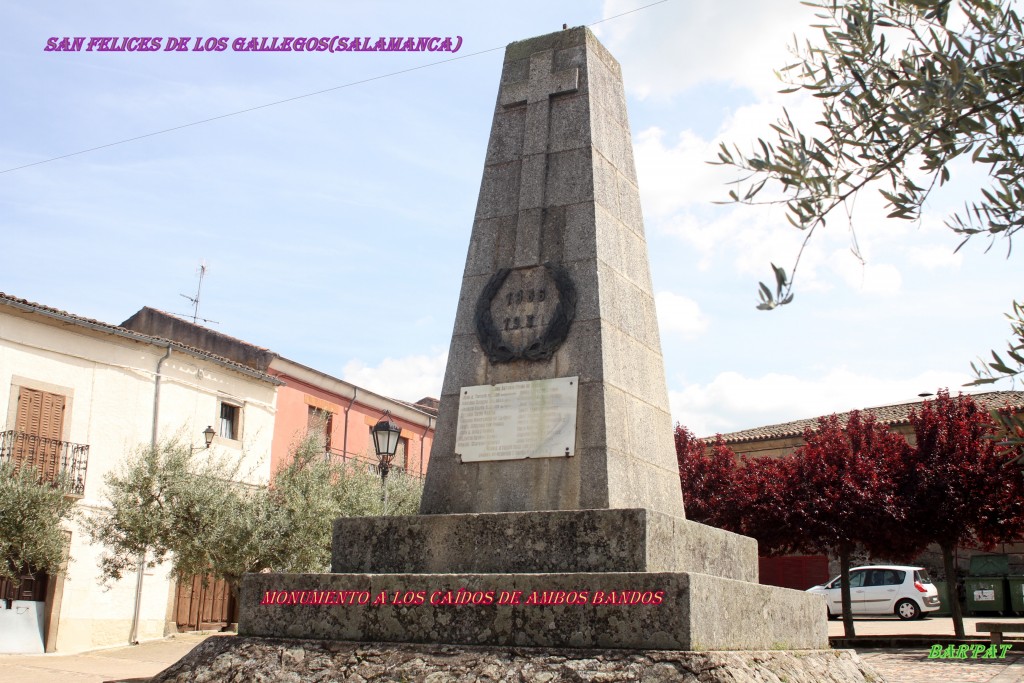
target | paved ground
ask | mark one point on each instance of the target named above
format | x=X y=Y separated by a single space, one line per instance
x=912 y=664
x=892 y=626
x=114 y=664
x=905 y=665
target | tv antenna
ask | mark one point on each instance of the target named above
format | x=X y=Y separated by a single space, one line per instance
x=195 y=299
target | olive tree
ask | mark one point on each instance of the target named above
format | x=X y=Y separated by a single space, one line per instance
x=906 y=88
x=31 y=514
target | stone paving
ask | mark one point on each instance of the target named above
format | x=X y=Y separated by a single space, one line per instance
x=912 y=665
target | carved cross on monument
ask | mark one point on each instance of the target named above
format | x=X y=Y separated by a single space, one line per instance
x=537 y=90
x=535 y=93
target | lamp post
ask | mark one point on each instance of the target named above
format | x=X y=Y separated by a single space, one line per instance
x=385 y=442
x=208 y=435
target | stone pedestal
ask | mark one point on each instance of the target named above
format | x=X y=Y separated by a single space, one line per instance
x=649 y=610
x=584 y=578
x=570 y=541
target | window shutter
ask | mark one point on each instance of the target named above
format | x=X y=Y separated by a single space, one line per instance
x=40 y=414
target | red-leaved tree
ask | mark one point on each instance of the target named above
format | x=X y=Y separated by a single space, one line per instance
x=707 y=479
x=957 y=489
x=841 y=491
x=760 y=501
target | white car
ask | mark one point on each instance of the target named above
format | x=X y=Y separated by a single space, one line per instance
x=906 y=592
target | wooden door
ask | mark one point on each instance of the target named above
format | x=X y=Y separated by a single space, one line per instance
x=202 y=606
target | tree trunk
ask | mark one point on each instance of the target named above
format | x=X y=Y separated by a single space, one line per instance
x=951 y=585
x=844 y=583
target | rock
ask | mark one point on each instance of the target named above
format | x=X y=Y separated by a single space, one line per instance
x=244 y=660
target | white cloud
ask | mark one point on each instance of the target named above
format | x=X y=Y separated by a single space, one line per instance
x=935 y=256
x=871 y=278
x=679 y=316
x=674 y=176
x=408 y=378
x=732 y=402
x=677 y=45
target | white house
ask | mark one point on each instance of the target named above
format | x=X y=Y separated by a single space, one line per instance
x=79 y=395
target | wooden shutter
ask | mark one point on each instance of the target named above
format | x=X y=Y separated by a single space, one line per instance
x=40 y=415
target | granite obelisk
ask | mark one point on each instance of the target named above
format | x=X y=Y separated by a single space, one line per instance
x=557 y=285
x=553 y=516
x=553 y=473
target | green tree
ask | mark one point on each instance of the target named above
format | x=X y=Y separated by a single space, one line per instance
x=170 y=503
x=31 y=513
x=159 y=498
x=310 y=491
x=907 y=87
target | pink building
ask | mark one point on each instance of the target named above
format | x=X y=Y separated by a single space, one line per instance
x=309 y=399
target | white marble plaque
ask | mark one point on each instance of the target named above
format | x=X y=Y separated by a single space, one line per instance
x=518 y=420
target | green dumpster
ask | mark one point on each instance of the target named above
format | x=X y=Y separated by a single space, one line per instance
x=990 y=565
x=945 y=606
x=986 y=594
x=1015 y=588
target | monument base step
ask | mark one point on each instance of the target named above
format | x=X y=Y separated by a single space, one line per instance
x=638 y=610
x=548 y=541
x=241 y=660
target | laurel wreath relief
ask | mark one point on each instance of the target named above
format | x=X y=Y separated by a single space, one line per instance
x=542 y=348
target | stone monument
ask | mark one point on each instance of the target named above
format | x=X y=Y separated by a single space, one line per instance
x=552 y=515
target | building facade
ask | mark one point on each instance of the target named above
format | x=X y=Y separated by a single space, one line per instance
x=311 y=399
x=79 y=395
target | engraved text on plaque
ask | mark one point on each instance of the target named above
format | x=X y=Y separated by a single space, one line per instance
x=517 y=420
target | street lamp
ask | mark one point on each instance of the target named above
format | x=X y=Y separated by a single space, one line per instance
x=385 y=442
x=208 y=435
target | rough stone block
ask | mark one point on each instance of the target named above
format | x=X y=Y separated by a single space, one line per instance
x=570 y=541
x=592 y=427
x=464 y=371
x=506 y=141
x=280 y=659
x=531 y=189
x=628 y=307
x=605 y=191
x=630 y=212
x=499 y=190
x=570 y=177
x=528 y=236
x=662 y=611
x=552 y=248
x=566 y=132
x=579 y=237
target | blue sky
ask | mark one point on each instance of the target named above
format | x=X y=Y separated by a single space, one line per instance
x=316 y=216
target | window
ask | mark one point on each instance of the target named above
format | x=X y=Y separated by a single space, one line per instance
x=229 y=422
x=320 y=421
x=39 y=424
x=856 y=580
x=402 y=454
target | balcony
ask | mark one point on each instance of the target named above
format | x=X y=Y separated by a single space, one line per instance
x=48 y=456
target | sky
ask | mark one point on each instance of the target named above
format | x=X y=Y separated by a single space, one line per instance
x=334 y=225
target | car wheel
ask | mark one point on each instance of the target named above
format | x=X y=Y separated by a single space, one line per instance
x=907 y=609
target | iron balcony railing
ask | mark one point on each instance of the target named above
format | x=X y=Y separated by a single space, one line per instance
x=48 y=456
